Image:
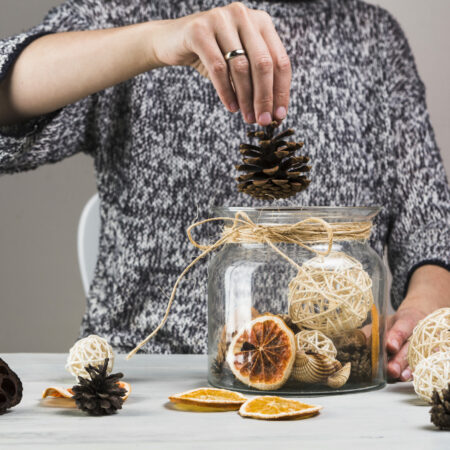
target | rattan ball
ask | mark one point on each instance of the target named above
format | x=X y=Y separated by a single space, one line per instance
x=430 y=335
x=313 y=341
x=331 y=294
x=91 y=350
x=432 y=373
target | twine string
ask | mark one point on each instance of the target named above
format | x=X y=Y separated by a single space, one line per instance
x=245 y=230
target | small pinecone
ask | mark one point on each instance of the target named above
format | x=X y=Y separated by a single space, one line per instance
x=359 y=356
x=10 y=387
x=100 y=395
x=288 y=321
x=272 y=169
x=440 y=411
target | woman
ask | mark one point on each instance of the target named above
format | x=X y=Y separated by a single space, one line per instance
x=114 y=79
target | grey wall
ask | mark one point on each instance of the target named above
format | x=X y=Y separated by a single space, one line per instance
x=41 y=296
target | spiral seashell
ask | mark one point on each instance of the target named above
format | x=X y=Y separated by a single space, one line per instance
x=339 y=378
x=314 y=368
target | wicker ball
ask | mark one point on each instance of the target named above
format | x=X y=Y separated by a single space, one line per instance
x=430 y=335
x=313 y=341
x=91 y=350
x=432 y=373
x=331 y=294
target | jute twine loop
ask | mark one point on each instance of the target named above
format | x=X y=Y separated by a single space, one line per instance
x=244 y=230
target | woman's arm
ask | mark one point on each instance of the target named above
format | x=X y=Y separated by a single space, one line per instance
x=429 y=289
x=61 y=68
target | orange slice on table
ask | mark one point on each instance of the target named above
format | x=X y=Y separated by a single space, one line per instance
x=208 y=399
x=277 y=408
x=262 y=354
x=60 y=393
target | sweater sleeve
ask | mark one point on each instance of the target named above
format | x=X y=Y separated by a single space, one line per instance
x=51 y=137
x=420 y=208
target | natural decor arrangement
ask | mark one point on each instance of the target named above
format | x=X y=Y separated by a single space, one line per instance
x=97 y=392
x=329 y=334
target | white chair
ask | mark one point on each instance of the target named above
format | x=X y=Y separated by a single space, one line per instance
x=87 y=240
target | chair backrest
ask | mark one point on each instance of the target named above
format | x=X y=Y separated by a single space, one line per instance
x=87 y=240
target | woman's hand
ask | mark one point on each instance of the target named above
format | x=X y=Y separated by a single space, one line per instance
x=429 y=289
x=260 y=81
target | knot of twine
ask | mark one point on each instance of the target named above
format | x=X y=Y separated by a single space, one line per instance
x=244 y=230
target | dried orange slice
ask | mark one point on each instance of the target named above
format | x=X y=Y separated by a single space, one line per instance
x=277 y=408
x=209 y=399
x=55 y=392
x=262 y=354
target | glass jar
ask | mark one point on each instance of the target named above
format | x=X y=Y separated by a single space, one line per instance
x=294 y=321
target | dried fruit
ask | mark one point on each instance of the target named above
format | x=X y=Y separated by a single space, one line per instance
x=262 y=354
x=277 y=408
x=209 y=399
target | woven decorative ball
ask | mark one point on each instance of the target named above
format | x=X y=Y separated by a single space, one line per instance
x=430 y=335
x=330 y=294
x=432 y=373
x=313 y=341
x=91 y=350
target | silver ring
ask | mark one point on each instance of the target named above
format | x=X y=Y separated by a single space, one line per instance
x=234 y=53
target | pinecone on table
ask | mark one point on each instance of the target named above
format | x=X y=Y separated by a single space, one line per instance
x=100 y=395
x=440 y=411
x=10 y=387
x=272 y=169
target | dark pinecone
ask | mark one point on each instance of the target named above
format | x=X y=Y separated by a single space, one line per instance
x=288 y=321
x=440 y=411
x=10 y=387
x=100 y=395
x=352 y=347
x=272 y=169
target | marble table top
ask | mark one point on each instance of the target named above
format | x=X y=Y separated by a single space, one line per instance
x=391 y=418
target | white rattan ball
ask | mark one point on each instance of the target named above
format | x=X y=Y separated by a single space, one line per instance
x=430 y=335
x=91 y=350
x=331 y=294
x=314 y=341
x=432 y=373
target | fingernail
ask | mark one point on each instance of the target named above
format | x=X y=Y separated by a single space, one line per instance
x=234 y=107
x=250 y=118
x=406 y=374
x=395 y=344
x=265 y=118
x=280 y=113
x=395 y=369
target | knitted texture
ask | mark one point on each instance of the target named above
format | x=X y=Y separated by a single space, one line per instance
x=356 y=101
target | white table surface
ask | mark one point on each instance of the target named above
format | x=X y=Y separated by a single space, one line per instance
x=391 y=418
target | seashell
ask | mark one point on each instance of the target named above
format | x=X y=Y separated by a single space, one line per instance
x=339 y=378
x=353 y=337
x=314 y=368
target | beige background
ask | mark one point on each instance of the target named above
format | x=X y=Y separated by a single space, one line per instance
x=41 y=295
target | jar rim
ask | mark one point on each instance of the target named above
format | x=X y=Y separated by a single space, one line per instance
x=329 y=213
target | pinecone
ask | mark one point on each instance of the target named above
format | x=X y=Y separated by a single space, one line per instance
x=286 y=318
x=10 y=387
x=440 y=411
x=272 y=169
x=99 y=395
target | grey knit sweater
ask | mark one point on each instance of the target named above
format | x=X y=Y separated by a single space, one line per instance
x=163 y=147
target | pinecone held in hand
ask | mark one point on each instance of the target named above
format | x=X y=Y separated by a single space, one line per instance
x=440 y=411
x=272 y=169
x=100 y=395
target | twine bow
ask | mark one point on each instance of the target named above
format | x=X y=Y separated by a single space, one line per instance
x=243 y=229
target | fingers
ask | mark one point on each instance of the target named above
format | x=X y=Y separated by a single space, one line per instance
x=398 y=366
x=239 y=67
x=401 y=330
x=205 y=46
x=282 y=68
x=262 y=72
